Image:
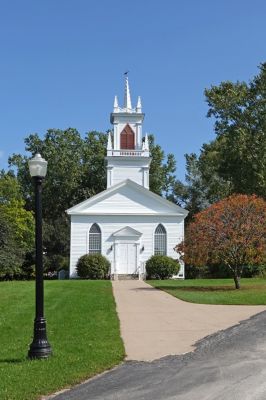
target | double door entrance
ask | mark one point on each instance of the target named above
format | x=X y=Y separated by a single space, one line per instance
x=127 y=258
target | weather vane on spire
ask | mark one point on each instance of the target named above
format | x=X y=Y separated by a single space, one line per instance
x=126 y=73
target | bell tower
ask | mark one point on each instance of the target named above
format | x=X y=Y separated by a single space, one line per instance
x=128 y=154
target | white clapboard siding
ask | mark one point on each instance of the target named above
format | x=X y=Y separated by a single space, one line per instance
x=109 y=224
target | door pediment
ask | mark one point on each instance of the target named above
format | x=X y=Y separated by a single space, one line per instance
x=127 y=231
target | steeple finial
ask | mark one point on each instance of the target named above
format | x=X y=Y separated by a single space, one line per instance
x=116 y=104
x=127 y=98
x=138 y=108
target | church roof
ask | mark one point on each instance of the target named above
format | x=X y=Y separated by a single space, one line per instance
x=127 y=198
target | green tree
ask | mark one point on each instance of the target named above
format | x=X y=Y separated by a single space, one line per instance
x=204 y=185
x=235 y=162
x=17 y=227
x=11 y=257
x=239 y=110
x=162 y=178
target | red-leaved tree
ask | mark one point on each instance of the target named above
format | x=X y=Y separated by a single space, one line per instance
x=231 y=232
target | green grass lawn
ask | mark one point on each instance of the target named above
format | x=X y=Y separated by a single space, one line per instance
x=82 y=328
x=215 y=291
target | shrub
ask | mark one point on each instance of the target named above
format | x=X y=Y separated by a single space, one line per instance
x=161 y=267
x=257 y=271
x=261 y=273
x=93 y=266
x=222 y=271
x=193 y=272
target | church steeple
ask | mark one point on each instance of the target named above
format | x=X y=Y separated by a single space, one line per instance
x=128 y=153
x=127 y=106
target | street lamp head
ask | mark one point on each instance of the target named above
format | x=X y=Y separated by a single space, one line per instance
x=38 y=166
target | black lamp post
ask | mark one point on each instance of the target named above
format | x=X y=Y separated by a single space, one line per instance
x=40 y=347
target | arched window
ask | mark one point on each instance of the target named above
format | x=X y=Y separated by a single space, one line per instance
x=127 y=138
x=160 y=241
x=95 y=238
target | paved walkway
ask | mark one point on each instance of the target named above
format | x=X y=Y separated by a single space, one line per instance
x=155 y=324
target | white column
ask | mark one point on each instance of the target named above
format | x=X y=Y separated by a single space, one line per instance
x=139 y=135
x=116 y=141
x=182 y=270
x=115 y=248
x=145 y=172
x=109 y=176
x=137 y=256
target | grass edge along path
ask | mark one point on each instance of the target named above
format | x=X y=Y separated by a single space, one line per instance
x=215 y=291
x=82 y=328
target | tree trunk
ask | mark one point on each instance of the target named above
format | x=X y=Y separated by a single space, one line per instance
x=237 y=281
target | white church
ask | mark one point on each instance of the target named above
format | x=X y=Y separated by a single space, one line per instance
x=127 y=223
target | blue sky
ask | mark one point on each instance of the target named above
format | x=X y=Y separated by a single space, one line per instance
x=62 y=62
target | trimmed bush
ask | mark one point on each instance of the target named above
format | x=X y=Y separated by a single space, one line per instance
x=161 y=267
x=93 y=266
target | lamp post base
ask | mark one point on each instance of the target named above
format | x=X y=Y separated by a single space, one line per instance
x=40 y=347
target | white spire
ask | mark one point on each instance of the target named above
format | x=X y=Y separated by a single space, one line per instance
x=109 y=143
x=127 y=98
x=116 y=104
x=138 y=108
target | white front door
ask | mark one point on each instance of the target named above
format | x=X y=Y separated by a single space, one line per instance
x=127 y=258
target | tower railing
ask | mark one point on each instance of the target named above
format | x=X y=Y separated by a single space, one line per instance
x=128 y=153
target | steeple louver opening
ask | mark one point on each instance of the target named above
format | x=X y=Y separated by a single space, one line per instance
x=127 y=138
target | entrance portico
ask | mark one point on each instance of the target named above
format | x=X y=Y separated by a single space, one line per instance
x=126 y=252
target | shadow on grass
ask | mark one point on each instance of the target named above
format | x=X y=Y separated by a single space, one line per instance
x=198 y=288
x=13 y=360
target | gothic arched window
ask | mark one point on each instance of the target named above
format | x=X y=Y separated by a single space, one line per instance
x=160 y=241
x=95 y=239
x=127 y=138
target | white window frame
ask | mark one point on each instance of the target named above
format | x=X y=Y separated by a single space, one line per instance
x=89 y=251
x=154 y=237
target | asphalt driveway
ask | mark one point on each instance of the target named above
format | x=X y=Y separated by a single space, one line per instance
x=228 y=365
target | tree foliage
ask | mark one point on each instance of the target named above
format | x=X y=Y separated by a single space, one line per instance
x=235 y=162
x=16 y=227
x=231 y=232
x=162 y=173
x=10 y=254
x=239 y=110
